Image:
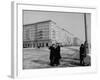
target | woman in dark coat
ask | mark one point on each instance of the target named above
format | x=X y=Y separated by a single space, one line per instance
x=57 y=55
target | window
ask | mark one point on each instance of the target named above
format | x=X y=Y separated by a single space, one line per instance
x=47 y=44
x=40 y=44
x=33 y=45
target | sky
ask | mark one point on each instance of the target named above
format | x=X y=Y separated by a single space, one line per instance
x=71 y=21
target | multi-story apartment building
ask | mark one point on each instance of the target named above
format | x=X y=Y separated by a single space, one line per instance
x=44 y=33
x=36 y=34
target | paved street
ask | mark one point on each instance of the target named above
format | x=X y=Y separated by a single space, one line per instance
x=39 y=57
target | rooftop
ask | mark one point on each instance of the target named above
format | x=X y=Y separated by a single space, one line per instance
x=39 y=22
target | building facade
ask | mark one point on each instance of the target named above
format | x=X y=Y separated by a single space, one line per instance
x=43 y=34
x=36 y=35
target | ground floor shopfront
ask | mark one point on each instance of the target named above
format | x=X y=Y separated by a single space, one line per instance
x=34 y=44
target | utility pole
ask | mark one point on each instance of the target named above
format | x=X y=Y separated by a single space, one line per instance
x=85 y=23
x=86 y=39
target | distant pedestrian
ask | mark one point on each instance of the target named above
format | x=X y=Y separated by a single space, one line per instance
x=82 y=54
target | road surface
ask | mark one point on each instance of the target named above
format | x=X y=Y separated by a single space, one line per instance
x=39 y=57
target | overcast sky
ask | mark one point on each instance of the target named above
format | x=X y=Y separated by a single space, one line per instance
x=73 y=22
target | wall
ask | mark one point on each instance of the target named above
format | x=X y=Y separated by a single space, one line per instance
x=5 y=39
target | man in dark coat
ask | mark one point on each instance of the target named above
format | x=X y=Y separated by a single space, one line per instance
x=52 y=54
x=82 y=54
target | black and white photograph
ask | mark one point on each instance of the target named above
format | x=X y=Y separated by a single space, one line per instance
x=54 y=39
